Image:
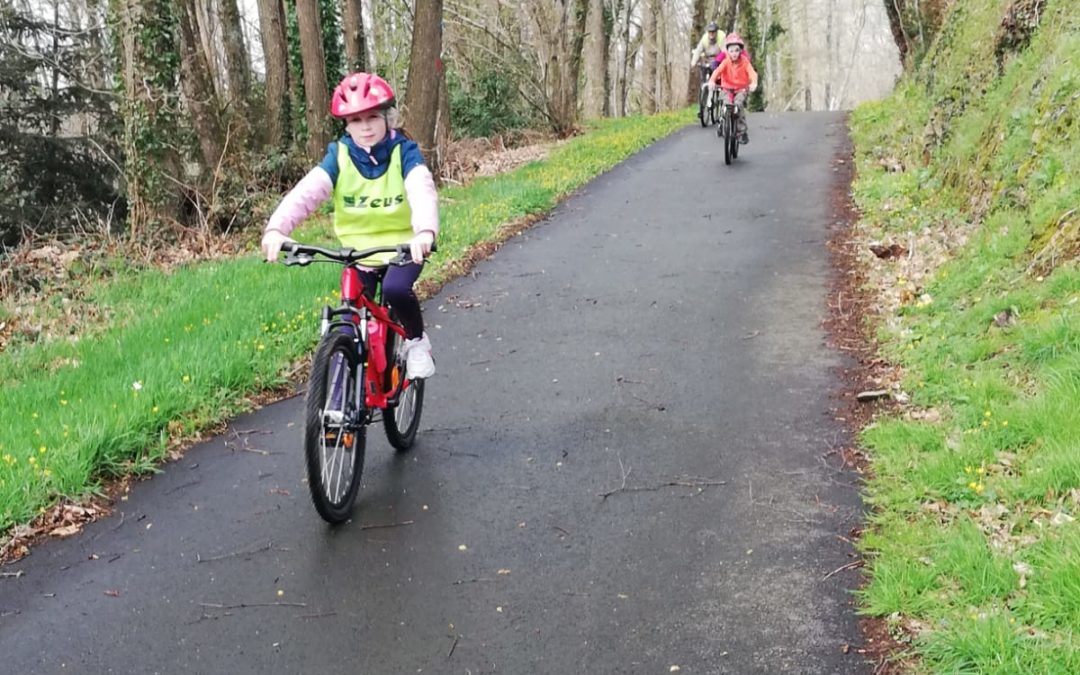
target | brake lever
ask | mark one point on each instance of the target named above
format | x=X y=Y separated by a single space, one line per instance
x=300 y=260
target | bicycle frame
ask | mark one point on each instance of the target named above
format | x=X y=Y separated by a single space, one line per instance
x=370 y=320
x=367 y=319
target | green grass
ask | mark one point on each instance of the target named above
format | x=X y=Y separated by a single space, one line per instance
x=183 y=351
x=972 y=533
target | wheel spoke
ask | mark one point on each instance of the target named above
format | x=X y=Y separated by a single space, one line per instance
x=336 y=474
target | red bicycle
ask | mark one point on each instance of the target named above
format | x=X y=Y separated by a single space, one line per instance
x=357 y=371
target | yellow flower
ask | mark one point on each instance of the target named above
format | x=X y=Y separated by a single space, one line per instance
x=42 y=450
x=32 y=460
x=186 y=379
x=967 y=469
x=1005 y=423
x=33 y=416
x=980 y=471
x=63 y=401
x=154 y=409
x=979 y=488
x=986 y=414
x=972 y=485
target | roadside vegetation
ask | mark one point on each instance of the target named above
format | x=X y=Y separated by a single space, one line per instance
x=152 y=357
x=969 y=186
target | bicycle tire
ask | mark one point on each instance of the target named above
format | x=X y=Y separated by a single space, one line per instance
x=728 y=135
x=734 y=137
x=401 y=421
x=333 y=495
x=703 y=109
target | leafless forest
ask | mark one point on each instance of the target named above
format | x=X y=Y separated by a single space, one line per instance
x=147 y=118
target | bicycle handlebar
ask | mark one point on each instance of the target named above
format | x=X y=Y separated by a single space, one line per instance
x=304 y=254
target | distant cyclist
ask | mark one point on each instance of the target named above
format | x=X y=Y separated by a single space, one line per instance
x=707 y=49
x=735 y=76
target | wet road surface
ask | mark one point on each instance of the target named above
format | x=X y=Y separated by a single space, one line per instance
x=623 y=467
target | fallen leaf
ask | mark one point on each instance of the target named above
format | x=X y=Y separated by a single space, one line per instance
x=66 y=531
x=1060 y=518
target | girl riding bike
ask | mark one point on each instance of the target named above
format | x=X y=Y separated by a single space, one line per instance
x=736 y=76
x=383 y=195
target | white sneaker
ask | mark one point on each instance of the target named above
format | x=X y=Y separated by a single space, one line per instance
x=418 y=361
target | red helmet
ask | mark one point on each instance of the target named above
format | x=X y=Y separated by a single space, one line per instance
x=360 y=92
x=733 y=39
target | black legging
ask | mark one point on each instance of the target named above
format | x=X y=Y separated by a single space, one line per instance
x=397 y=290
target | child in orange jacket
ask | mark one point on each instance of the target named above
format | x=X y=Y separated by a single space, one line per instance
x=736 y=76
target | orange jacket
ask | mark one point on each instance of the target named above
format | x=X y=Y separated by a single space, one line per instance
x=738 y=74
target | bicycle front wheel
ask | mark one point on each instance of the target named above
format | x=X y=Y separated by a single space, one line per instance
x=334 y=435
x=733 y=135
x=703 y=109
x=402 y=420
x=729 y=134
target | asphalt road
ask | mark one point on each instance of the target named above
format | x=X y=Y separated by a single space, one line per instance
x=657 y=338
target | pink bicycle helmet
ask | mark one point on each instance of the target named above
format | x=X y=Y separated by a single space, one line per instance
x=733 y=39
x=360 y=92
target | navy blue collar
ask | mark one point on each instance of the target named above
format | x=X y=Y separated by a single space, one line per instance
x=373 y=163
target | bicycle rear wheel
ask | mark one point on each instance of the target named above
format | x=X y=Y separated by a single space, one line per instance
x=334 y=436
x=403 y=419
x=703 y=108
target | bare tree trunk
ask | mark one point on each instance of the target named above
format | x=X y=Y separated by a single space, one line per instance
x=442 y=126
x=628 y=56
x=648 y=60
x=275 y=54
x=152 y=199
x=727 y=22
x=696 y=29
x=664 y=99
x=204 y=27
x=559 y=36
x=595 y=61
x=355 y=52
x=197 y=87
x=314 y=62
x=236 y=58
x=422 y=92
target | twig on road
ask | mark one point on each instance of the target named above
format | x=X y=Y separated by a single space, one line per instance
x=181 y=487
x=694 y=483
x=386 y=525
x=11 y=575
x=245 y=448
x=477 y=580
x=248 y=605
x=269 y=545
x=851 y=565
x=320 y=615
x=453 y=647
x=655 y=406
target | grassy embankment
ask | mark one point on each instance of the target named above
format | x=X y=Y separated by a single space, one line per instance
x=974 y=548
x=172 y=354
